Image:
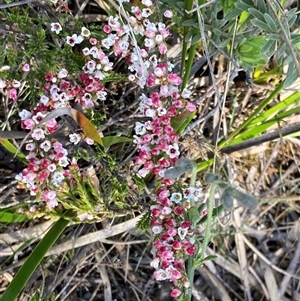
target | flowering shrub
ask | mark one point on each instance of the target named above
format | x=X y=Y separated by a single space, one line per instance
x=142 y=43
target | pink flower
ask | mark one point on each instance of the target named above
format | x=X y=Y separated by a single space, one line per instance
x=175 y=293
x=26 y=67
x=174 y=79
x=168 y=14
x=162 y=48
x=176 y=245
x=106 y=29
x=191 y=107
x=13 y=94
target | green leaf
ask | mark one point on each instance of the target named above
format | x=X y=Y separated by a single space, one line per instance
x=12 y=149
x=144 y=223
x=232 y=14
x=261 y=25
x=256 y=13
x=190 y=22
x=198 y=261
x=243 y=6
x=227 y=198
x=262 y=6
x=180 y=122
x=291 y=75
x=193 y=215
x=211 y=177
x=196 y=38
x=8 y=217
x=34 y=259
x=244 y=198
x=210 y=257
x=111 y=140
x=270 y=22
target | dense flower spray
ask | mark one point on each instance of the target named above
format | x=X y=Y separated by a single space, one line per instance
x=156 y=139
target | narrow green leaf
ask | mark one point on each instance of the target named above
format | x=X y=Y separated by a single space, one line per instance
x=261 y=5
x=190 y=22
x=8 y=217
x=12 y=149
x=256 y=13
x=111 y=140
x=34 y=259
x=193 y=215
x=243 y=6
x=261 y=25
x=232 y=14
x=204 y=164
x=270 y=22
x=293 y=99
x=256 y=112
x=291 y=75
x=196 y=38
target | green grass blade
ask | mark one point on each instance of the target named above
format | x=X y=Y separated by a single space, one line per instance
x=12 y=149
x=25 y=272
x=283 y=105
x=8 y=217
x=256 y=131
x=188 y=4
x=237 y=132
x=111 y=140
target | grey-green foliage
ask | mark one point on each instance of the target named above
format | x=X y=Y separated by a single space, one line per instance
x=230 y=193
x=226 y=31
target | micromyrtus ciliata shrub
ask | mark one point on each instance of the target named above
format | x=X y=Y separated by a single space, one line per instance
x=174 y=211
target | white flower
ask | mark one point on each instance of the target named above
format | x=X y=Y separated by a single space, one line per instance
x=24 y=114
x=155 y=263
x=173 y=151
x=52 y=203
x=16 y=83
x=51 y=195
x=2 y=83
x=38 y=134
x=74 y=138
x=192 y=193
x=62 y=73
x=157 y=229
x=186 y=93
x=85 y=32
x=84 y=216
x=57 y=177
x=182 y=232
x=176 y=197
x=101 y=95
x=44 y=99
x=166 y=210
x=89 y=141
x=147 y=2
x=63 y=162
x=56 y=27
x=143 y=172
x=51 y=167
x=86 y=51
x=140 y=128
x=30 y=146
x=149 y=43
x=46 y=145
